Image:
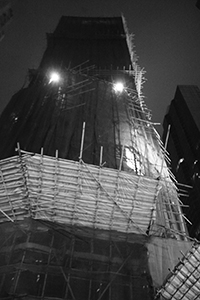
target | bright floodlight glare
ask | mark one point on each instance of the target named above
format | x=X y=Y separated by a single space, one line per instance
x=118 y=87
x=54 y=77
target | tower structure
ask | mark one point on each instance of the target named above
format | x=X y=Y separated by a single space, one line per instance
x=89 y=209
x=183 y=146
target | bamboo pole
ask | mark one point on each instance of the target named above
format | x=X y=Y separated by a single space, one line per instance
x=111 y=281
x=82 y=141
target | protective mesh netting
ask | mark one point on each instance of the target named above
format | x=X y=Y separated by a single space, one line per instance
x=44 y=261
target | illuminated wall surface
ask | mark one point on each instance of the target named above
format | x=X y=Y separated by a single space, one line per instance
x=88 y=208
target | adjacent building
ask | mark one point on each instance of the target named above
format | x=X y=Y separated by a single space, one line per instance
x=198 y=4
x=6 y=15
x=183 y=146
x=88 y=206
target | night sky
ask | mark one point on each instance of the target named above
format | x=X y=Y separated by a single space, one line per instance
x=167 y=42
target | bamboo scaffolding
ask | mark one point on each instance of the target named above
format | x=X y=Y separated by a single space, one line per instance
x=183 y=281
x=72 y=193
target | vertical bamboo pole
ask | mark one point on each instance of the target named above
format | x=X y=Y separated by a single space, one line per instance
x=23 y=170
x=55 y=186
x=98 y=187
x=79 y=175
x=116 y=189
x=121 y=159
x=39 y=192
x=18 y=149
x=67 y=278
x=20 y=268
x=91 y=269
x=82 y=141
x=49 y=258
x=101 y=156
x=165 y=148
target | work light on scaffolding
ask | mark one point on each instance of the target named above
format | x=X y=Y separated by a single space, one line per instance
x=118 y=87
x=54 y=77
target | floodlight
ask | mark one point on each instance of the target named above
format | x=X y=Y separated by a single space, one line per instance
x=118 y=87
x=54 y=77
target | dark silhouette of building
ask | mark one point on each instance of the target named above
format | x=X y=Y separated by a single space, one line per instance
x=184 y=148
x=6 y=14
x=88 y=207
x=198 y=4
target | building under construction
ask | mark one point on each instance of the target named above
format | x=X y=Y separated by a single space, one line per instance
x=88 y=207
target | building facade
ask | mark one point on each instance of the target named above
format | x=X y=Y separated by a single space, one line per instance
x=184 y=148
x=89 y=209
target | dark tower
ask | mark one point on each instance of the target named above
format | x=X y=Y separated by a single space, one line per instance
x=184 y=148
x=90 y=55
x=88 y=208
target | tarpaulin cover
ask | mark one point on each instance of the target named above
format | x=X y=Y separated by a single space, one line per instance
x=183 y=281
x=164 y=254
